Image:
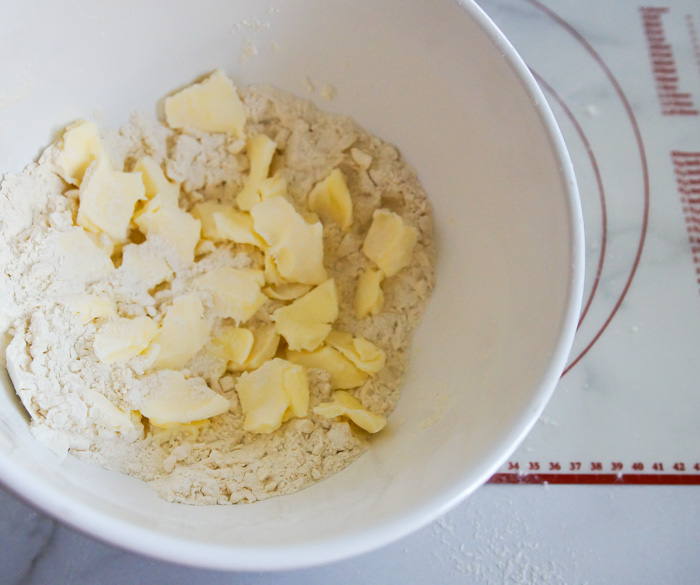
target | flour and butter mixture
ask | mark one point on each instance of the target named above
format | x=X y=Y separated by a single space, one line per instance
x=220 y=304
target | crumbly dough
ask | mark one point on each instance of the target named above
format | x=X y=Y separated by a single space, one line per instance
x=70 y=394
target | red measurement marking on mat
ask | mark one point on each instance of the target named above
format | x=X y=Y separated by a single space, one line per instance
x=674 y=102
x=686 y=165
x=694 y=39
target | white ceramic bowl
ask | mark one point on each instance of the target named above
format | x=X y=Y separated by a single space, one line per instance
x=441 y=82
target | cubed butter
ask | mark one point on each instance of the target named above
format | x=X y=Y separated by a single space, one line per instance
x=236 y=291
x=276 y=391
x=107 y=199
x=232 y=344
x=345 y=404
x=81 y=257
x=343 y=373
x=163 y=218
x=183 y=332
x=89 y=307
x=102 y=410
x=389 y=241
x=366 y=356
x=265 y=343
x=210 y=106
x=221 y=222
x=155 y=181
x=295 y=246
x=361 y=158
x=121 y=339
x=80 y=146
x=286 y=291
x=306 y=322
x=261 y=149
x=274 y=186
x=369 y=297
x=173 y=399
x=331 y=199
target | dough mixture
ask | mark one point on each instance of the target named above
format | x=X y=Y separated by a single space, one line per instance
x=220 y=304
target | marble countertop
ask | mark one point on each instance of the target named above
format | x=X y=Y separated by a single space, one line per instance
x=606 y=488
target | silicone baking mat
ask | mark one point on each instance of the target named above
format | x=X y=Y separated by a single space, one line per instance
x=623 y=80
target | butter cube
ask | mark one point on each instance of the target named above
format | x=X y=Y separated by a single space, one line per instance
x=331 y=200
x=183 y=332
x=155 y=181
x=272 y=187
x=142 y=266
x=89 y=307
x=173 y=399
x=361 y=158
x=389 y=242
x=221 y=222
x=369 y=297
x=276 y=391
x=295 y=246
x=163 y=218
x=345 y=404
x=361 y=352
x=236 y=292
x=265 y=343
x=344 y=374
x=261 y=149
x=210 y=106
x=107 y=200
x=121 y=339
x=305 y=323
x=102 y=410
x=80 y=146
x=233 y=344
x=287 y=291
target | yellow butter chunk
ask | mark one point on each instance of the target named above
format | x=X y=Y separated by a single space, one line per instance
x=286 y=291
x=89 y=307
x=272 y=187
x=389 y=242
x=265 y=343
x=236 y=292
x=345 y=404
x=344 y=374
x=369 y=297
x=210 y=106
x=183 y=332
x=162 y=217
x=360 y=351
x=174 y=399
x=221 y=222
x=233 y=344
x=121 y=339
x=107 y=199
x=80 y=146
x=331 y=199
x=155 y=181
x=276 y=391
x=295 y=246
x=142 y=265
x=107 y=412
x=261 y=149
x=306 y=322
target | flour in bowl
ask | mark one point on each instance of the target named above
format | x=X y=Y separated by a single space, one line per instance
x=220 y=304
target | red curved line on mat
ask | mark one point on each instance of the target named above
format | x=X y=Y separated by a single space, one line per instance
x=643 y=159
x=596 y=170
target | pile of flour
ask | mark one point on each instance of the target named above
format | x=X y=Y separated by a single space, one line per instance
x=71 y=396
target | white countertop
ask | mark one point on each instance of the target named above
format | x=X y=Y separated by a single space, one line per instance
x=624 y=83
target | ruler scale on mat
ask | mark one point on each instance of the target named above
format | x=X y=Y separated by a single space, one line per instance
x=624 y=86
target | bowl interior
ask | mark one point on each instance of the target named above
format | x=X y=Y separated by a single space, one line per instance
x=437 y=81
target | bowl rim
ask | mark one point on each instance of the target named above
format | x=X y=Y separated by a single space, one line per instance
x=115 y=531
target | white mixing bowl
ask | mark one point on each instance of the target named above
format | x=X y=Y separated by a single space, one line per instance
x=441 y=82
